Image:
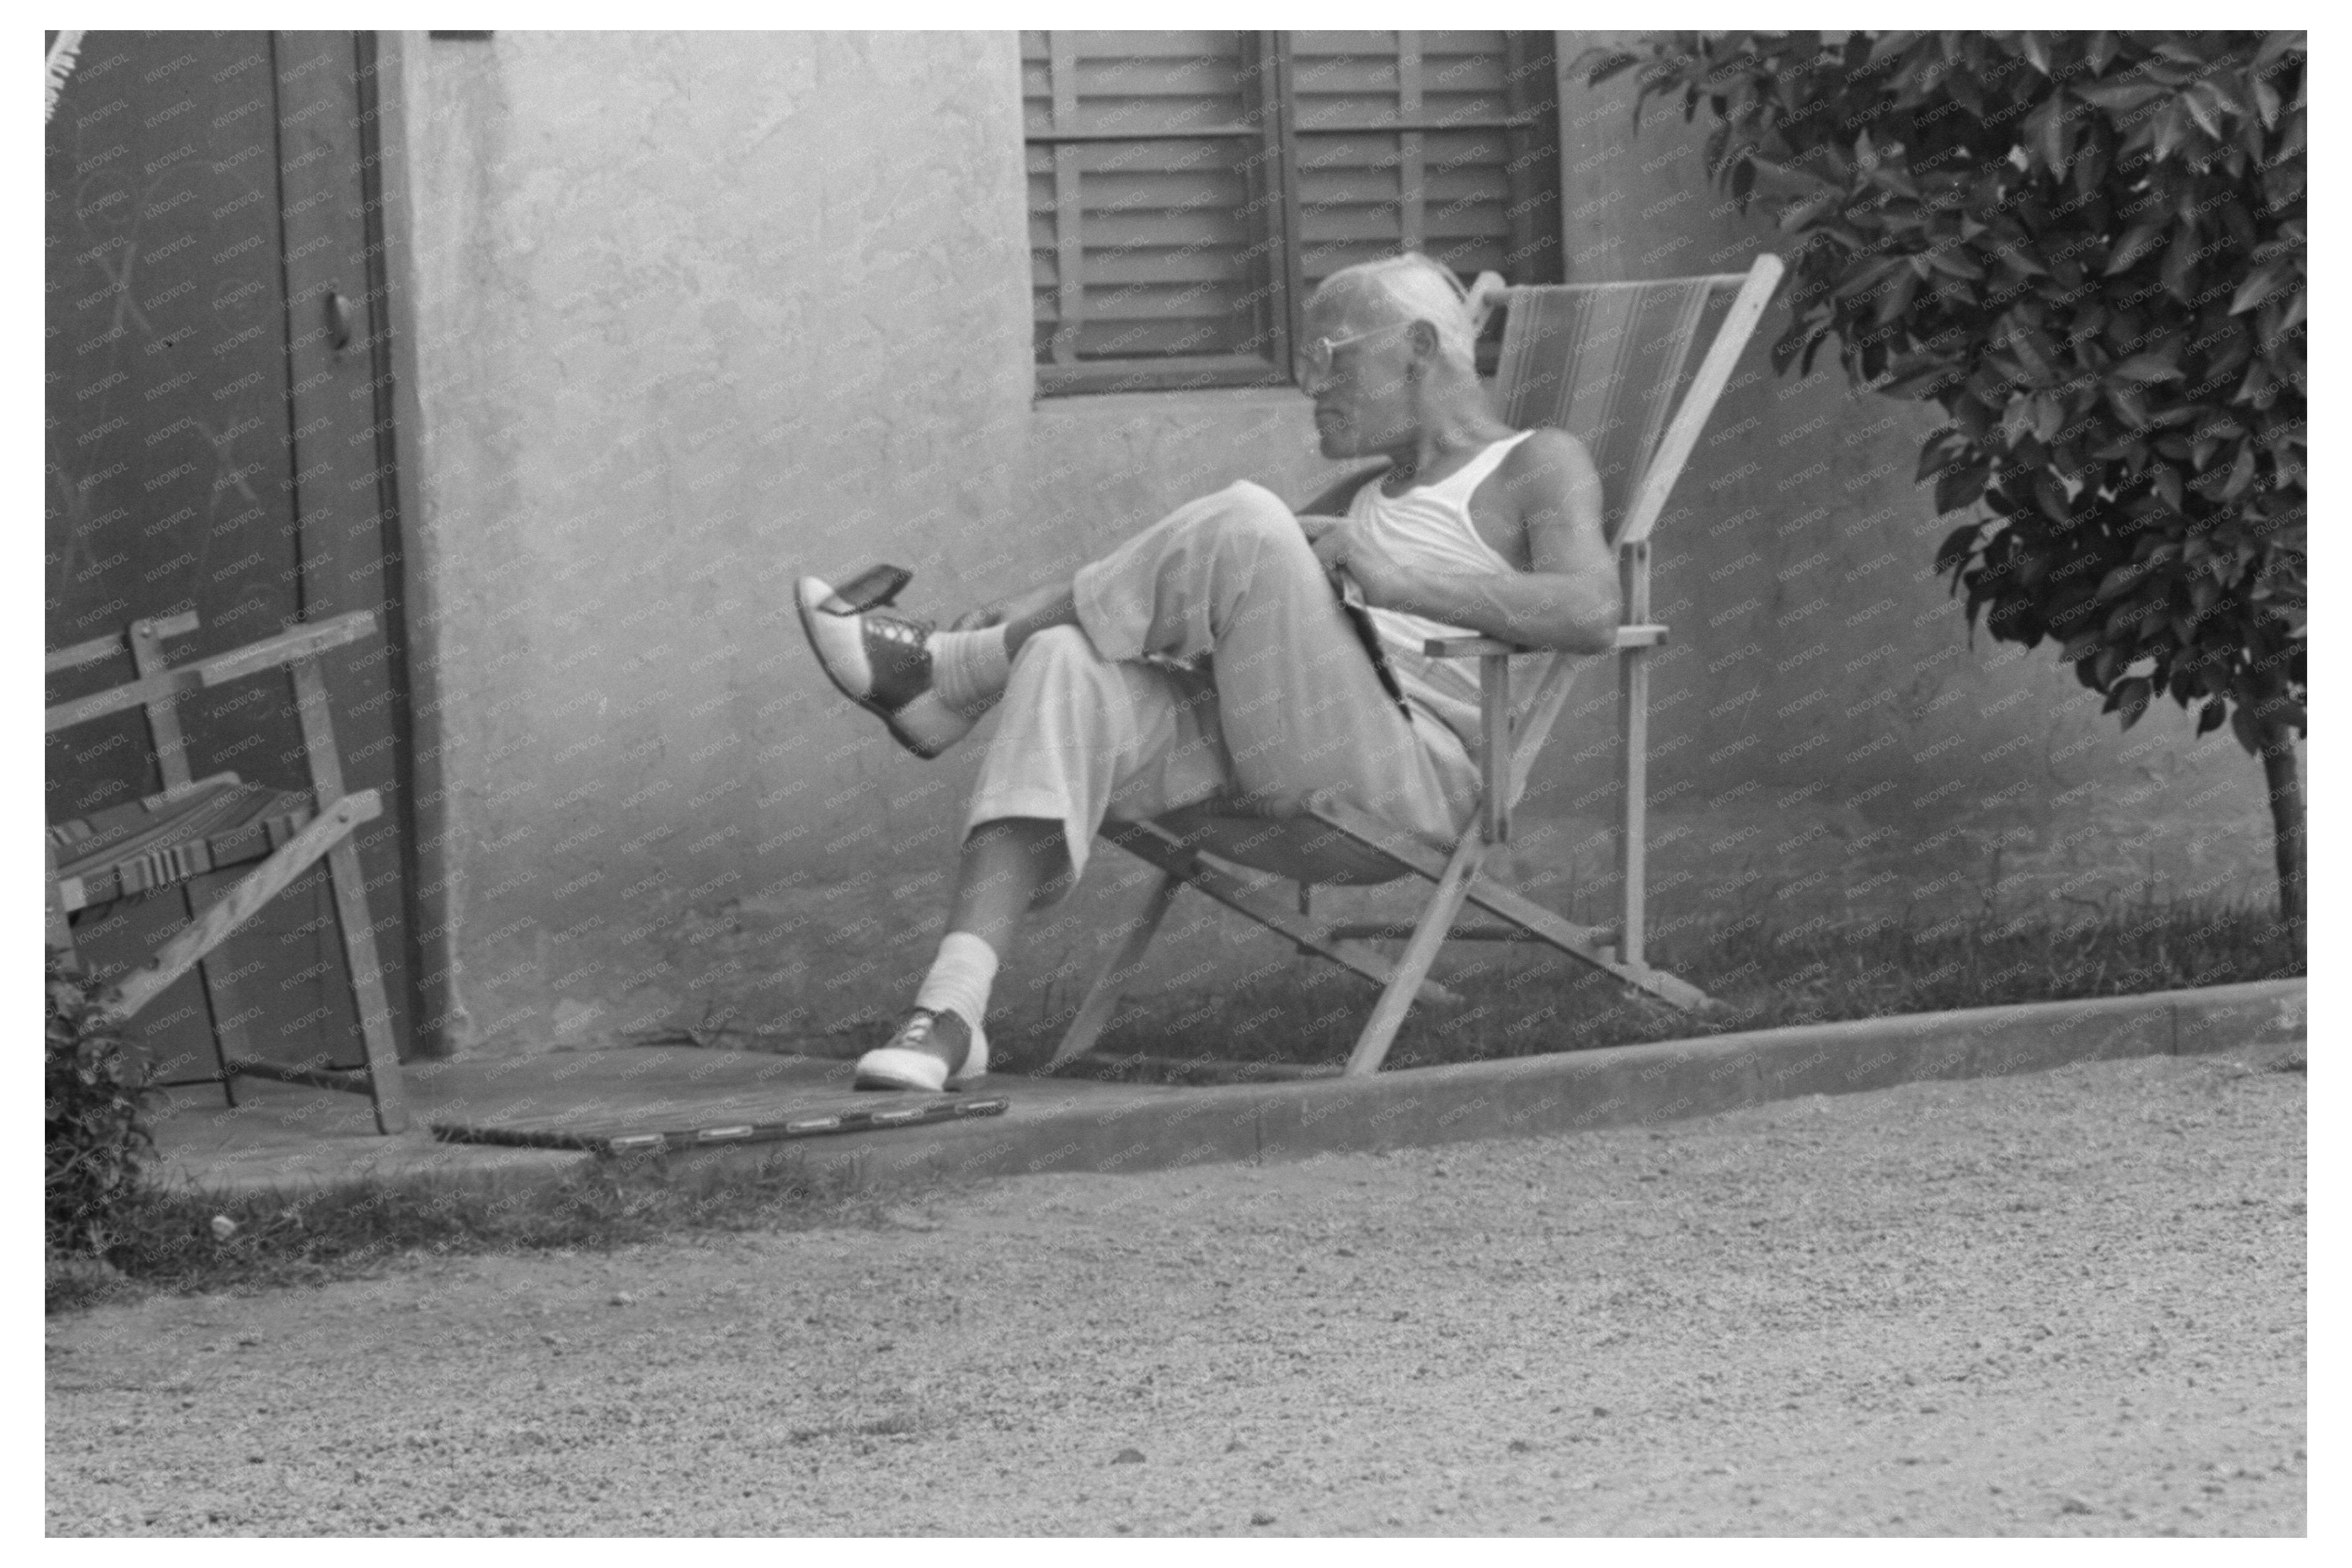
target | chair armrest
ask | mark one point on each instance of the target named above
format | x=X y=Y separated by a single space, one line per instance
x=294 y=644
x=138 y=693
x=1645 y=636
x=114 y=644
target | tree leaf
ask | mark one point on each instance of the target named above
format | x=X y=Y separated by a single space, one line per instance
x=2138 y=241
x=2266 y=282
x=2167 y=482
x=2243 y=726
x=1961 y=483
x=2181 y=262
x=1958 y=546
x=2201 y=112
x=1600 y=66
x=2242 y=474
x=1937 y=452
x=1923 y=382
x=2120 y=97
x=2045 y=132
x=2131 y=696
x=2145 y=369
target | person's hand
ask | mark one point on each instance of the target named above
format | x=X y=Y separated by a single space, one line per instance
x=1381 y=578
x=1330 y=543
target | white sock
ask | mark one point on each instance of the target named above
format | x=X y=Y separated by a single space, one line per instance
x=969 y=669
x=959 y=978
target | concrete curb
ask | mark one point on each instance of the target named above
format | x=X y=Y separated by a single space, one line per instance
x=1571 y=1091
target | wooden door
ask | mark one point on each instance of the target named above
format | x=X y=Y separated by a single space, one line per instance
x=218 y=439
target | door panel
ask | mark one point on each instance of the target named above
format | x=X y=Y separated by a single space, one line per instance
x=173 y=443
x=339 y=435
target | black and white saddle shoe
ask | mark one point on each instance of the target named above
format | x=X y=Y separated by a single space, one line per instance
x=880 y=662
x=901 y=1065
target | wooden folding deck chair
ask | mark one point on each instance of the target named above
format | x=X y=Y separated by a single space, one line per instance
x=199 y=826
x=1604 y=362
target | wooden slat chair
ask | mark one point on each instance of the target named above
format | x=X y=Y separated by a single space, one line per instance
x=197 y=827
x=1610 y=363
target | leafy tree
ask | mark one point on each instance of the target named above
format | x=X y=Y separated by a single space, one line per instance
x=2088 y=249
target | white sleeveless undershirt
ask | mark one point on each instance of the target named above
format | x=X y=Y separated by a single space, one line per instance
x=1429 y=528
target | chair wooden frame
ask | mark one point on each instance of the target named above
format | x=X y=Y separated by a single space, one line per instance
x=334 y=815
x=1513 y=735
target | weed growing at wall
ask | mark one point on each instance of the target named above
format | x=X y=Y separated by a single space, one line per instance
x=94 y=1095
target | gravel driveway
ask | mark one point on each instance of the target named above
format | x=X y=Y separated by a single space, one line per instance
x=2070 y=1303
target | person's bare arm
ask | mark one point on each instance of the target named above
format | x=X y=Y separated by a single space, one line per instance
x=1567 y=599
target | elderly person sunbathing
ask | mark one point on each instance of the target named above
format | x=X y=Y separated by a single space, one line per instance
x=1238 y=649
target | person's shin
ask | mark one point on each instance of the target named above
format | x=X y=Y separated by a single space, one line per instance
x=970 y=669
x=958 y=981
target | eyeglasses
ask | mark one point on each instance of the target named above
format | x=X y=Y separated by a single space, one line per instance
x=1318 y=352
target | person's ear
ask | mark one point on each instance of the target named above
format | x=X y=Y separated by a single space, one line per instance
x=1423 y=338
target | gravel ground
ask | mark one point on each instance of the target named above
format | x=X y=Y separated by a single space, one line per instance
x=2070 y=1303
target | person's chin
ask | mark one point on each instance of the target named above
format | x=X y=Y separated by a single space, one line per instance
x=1335 y=441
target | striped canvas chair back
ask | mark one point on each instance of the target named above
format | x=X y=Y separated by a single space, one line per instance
x=1607 y=362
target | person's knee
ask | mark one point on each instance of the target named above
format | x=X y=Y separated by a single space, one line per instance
x=1248 y=515
x=1057 y=646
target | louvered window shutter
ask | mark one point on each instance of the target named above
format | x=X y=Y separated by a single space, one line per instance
x=1427 y=141
x=1148 y=202
x=1187 y=190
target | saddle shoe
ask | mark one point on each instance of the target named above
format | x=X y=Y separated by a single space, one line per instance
x=900 y=1065
x=879 y=661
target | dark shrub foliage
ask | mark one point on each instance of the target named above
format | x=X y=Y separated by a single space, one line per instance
x=2088 y=249
x=94 y=1097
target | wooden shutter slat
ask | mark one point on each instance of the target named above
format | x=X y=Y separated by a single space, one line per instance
x=1363 y=183
x=1069 y=246
x=1173 y=267
x=1409 y=168
x=1155 y=43
x=1142 y=159
x=1163 y=219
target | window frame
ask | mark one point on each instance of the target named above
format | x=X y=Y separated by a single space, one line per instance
x=1270 y=115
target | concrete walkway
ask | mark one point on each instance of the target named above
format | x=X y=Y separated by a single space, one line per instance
x=287 y=1138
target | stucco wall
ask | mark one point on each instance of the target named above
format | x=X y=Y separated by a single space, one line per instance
x=694 y=310
x=699 y=312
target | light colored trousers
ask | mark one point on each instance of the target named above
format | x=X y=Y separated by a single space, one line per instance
x=1211 y=658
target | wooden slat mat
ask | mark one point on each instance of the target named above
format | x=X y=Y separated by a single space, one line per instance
x=764 y=1116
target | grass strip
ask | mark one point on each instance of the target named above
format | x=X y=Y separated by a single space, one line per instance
x=179 y=1241
x=1523 y=1000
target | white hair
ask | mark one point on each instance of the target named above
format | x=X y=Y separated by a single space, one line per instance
x=1411 y=287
